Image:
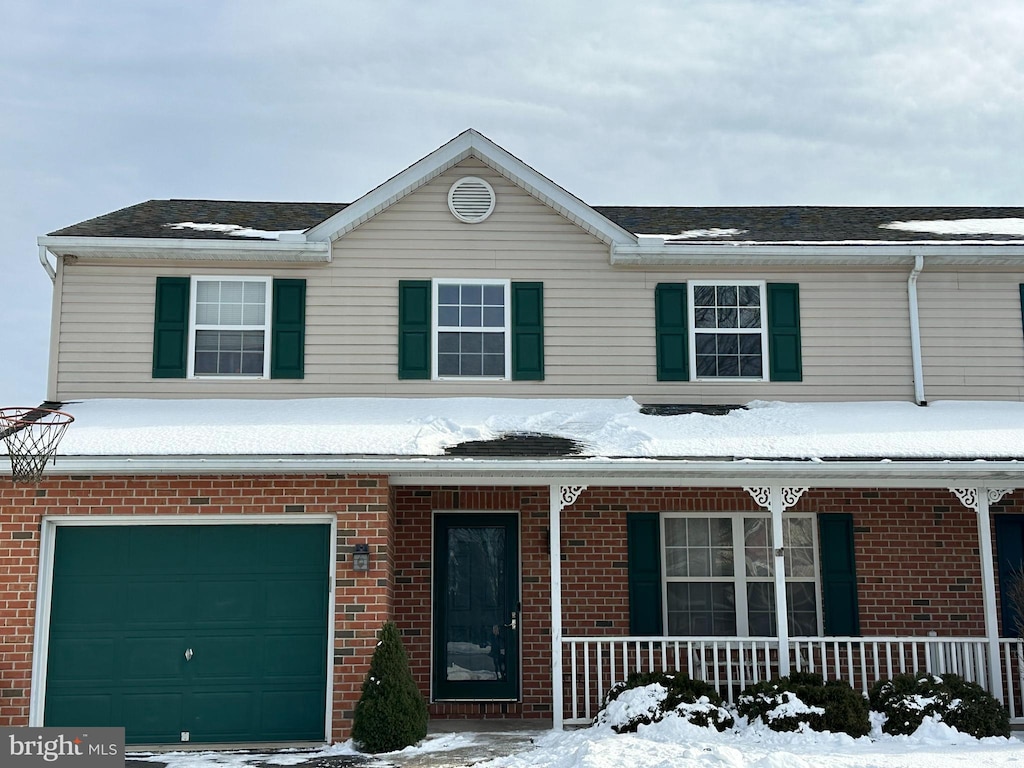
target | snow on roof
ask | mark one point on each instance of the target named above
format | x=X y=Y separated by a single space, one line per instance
x=1008 y=226
x=236 y=230
x=606 y=428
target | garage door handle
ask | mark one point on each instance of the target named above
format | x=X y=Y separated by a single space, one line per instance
x=188 y=654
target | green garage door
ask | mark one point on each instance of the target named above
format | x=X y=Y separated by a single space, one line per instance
x=202 y=633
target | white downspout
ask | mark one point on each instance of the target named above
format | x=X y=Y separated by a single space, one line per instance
x=915 y=331
x=46 y=264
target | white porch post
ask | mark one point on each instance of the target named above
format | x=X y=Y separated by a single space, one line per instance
x=559 y=497
x=777 y=499
x=979 y=500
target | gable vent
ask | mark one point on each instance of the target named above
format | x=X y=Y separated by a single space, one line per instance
x=471 y=199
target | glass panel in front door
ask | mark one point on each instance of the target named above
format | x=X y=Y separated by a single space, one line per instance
x=477 y=642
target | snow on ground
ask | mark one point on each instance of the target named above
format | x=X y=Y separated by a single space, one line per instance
x=673 y=743
x=606 y=428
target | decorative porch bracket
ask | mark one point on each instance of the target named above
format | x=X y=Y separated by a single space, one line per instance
x=560 y=497
x=777 y=499
x=979 y=500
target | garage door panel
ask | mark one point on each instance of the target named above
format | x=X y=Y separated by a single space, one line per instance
x=223 y=715
x=91 y=551
x=294 y=655
x=85 y=603
x=225 y=656
x=77 y=658
x=296 y=600
x=219 y=549
x=164 y=549
x=227 y=601
x=84 y=710
x=296 y=548
x=152 y=717
x=166 y=602
x=298 y=712
x=154 y=659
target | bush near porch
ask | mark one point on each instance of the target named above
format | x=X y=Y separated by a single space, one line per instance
x=805 y=701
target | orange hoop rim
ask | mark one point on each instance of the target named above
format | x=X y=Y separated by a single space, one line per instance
x=23 y=416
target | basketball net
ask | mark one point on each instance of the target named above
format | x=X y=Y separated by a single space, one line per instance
x=31 y=436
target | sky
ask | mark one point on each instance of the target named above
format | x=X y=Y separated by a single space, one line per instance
x=702 y=102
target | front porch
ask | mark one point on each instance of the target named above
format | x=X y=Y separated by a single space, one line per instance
x=593 y=665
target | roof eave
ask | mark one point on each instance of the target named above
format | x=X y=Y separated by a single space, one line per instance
x=578 y=471
x=190 y=249
x=816 y=254
x=466 y=144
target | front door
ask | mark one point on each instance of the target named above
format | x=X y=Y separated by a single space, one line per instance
x=476 y=607
x=1010 y=557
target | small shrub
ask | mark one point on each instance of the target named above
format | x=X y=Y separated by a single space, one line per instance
x=803 y=700
x=649 y=697
x=907 y=700
x=391 y=713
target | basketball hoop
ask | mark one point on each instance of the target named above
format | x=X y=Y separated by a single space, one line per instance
x=31 y=436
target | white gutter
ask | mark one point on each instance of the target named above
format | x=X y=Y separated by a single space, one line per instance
x=594 y=472
x=241 y=249
x=46 y=264
x=915 y=330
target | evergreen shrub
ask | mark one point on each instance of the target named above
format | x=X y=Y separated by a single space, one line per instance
x=907 y=700
x=804 y=700
x=391 y=713
x=693 y=700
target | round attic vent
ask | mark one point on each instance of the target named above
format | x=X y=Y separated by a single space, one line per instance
x=471 y=199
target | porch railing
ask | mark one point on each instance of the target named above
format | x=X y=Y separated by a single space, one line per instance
x=593 y=665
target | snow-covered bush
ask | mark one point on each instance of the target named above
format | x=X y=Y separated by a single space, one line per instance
x=391 y=713
x=803 y=701
x=650 y=697
x=907 y=700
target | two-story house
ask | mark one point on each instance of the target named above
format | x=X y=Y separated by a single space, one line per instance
x=553 y=442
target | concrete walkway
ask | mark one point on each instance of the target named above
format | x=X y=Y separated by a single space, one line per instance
x=449 y=744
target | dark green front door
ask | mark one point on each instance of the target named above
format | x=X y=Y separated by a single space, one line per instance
x=200 y=633
x=476 y=607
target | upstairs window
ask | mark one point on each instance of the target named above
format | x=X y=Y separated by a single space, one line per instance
x=729 y=334
x=230 y=327
x=472 y=336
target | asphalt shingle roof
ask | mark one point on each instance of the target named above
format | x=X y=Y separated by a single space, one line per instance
x=755 y=223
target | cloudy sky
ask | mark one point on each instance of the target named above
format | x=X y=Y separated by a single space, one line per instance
x=105 y=103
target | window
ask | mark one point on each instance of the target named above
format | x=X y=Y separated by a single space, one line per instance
x=471 y=329
x=452 y=329
x=230 y=334
x=719 y=573
x=229 y=327
x=728 y=330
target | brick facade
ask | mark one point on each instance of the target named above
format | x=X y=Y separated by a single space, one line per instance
x=916 y=552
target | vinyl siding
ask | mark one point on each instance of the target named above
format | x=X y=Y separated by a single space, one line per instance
x=599 y=320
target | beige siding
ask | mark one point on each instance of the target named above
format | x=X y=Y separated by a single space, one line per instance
x=599 y=320
x=971 y=335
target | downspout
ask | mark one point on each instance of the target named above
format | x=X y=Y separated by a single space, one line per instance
x=46 y=264
x=915 y=331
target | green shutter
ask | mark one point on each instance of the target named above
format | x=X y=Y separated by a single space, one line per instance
x=170 y=328
x=288 y=330
x=528 y=331
x=838 y=575
x=670 y=332
x=643 y=546
x=784 y=358
x=414 y=297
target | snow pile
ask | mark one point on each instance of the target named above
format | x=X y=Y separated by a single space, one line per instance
x=606 y=428
x=1001 y=226
x=236 y=230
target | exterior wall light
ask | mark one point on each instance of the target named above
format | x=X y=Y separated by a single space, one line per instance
x=361 y=557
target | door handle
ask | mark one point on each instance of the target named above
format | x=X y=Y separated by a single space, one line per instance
x=188 y=654
x=512 y=625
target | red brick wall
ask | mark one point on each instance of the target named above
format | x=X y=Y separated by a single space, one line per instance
x=359 y=503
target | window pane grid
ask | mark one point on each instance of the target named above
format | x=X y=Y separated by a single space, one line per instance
x=230 y=327
x=728 y=327
x=471 y=329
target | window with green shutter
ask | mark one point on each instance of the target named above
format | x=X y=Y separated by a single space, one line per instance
x=229 y=327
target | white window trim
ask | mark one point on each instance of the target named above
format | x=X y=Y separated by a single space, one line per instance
x=739 y=577
x=193 y=327
x=435 y=329
x=693 y=330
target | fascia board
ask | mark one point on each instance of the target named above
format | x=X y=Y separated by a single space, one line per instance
x=593 y=472
x=192 y=249
x=815 y=254
x=466 y=144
